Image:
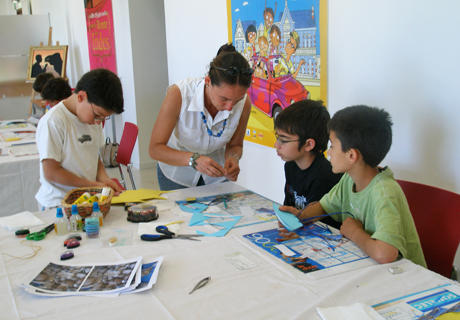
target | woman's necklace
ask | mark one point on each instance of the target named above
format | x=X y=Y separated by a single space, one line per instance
x=210 y=133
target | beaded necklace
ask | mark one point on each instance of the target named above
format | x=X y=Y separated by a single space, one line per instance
x=210 y=133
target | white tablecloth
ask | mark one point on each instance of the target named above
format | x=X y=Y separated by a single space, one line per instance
x=271 y=289
x=19 y=179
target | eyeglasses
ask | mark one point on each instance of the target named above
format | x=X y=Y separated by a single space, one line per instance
x=234 y=71
x=283 y=141
x=98 y=117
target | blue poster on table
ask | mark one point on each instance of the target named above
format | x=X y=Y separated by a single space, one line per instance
x=311 y=248
x=251 y=207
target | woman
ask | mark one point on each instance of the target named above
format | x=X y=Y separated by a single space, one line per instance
x=198 y=135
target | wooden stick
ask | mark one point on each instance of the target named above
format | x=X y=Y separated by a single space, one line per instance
x=50 y=37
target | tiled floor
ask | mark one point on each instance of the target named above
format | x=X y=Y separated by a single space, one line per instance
x=143 y=178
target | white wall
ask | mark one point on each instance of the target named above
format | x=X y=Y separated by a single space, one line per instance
x=194 y=32
x=403 y=56
x=400 y=55
x=150 y=71
x=14 y=58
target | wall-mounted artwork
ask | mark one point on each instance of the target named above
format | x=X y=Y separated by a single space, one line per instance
x=51 y=59
x=285 y=44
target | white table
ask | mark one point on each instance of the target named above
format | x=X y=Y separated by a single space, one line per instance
x=272 y=289
x=19 y=179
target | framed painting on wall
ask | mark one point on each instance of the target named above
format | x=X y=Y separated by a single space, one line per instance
x=285 y=43
x=51 y=59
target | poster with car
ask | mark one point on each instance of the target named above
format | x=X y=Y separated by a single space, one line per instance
x=285 y=44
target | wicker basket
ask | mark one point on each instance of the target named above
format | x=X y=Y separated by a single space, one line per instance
x=85 y=209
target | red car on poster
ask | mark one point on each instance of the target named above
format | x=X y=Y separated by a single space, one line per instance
x=273 y=87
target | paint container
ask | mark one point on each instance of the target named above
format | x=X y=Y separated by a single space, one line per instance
x=92 y=227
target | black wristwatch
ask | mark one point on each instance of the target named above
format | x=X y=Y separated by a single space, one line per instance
x=192 y=160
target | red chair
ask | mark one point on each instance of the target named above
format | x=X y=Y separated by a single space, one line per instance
x=125 y=149
x=436 y=214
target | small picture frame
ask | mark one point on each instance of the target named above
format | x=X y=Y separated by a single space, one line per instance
x=47 y=59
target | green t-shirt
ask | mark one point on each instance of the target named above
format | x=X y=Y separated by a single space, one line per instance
x=383 y=210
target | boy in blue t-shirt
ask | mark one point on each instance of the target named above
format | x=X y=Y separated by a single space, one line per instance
x=301 y=139
x=374 y=211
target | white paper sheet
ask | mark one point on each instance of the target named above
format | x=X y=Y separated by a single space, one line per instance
x=20 y=220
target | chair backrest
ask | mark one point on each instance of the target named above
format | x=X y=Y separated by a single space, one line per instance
x=436 y=214
x=127 y=142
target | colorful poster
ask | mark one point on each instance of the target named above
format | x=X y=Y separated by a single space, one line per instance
x=312 y=248
x=442 y=302
x=101 y=42
x=285 y=44
x=251 y=207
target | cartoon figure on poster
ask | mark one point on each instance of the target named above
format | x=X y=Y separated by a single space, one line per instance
x=280 y=39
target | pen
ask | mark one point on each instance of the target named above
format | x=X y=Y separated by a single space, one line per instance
x=225 y=204
x=22 y=143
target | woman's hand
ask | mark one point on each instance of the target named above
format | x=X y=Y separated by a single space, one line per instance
x=209 y=167
x=232 y=168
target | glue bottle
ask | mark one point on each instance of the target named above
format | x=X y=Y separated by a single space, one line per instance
x=60 y=225
x=97 y=213
x=80 y=222
x=73 y=219
x=83 y=198
x=105 y=193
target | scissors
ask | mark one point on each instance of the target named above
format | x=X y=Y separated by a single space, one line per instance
x=40 y=235
x=166 y=234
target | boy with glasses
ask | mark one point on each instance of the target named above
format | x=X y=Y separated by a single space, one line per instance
x=301 y=139
x=70 y=134
x=373 y=209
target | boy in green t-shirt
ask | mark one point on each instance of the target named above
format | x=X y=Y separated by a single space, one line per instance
x=374 y=211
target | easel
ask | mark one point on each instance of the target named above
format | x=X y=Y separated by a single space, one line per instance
x=33 y=101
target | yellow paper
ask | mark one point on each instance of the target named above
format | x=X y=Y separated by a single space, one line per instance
x=449 y=316
x=138 y=195
x=12 y=139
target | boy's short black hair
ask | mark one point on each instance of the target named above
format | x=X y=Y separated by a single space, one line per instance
x=308 y=120
x=103 y=88
x=41 y=80
x=367 y=129
x=56 y=89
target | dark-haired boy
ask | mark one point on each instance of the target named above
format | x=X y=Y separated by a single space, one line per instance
x=70 y=134
x=301 y=139
x=38 y=104
x=55 y=90
x=375 y=214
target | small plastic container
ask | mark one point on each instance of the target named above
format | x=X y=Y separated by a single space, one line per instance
x=92 y=227
x=73 y=219
x=98 y=214
x=80 y=223
x=60 y=225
